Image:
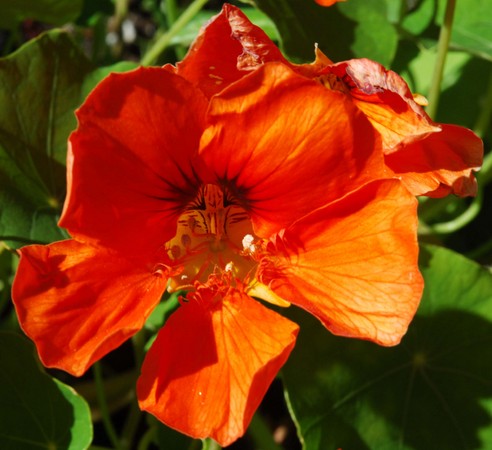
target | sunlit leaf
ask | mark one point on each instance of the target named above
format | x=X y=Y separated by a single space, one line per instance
x=375 y=38
x=36 y=410
x=55 y=12
x=187 y=35
x=472 y=27
x=433 y=391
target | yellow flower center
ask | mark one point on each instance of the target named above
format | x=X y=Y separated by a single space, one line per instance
x=209 y=239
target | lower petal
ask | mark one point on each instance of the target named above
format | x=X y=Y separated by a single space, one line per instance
x=353 y=263
x=212 y=363
x=77 y=302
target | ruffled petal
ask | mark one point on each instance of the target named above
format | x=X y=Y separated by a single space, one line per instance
x=386 y=100
x=77 y=302
x=353 y=263
x=285 y=145
x=131 y=165
x=212 y=363
x=441 y=164
x=225 y=47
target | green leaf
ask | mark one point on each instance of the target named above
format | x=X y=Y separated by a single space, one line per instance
x=472 y=27
x=433 y=391
x=301 y=24
x=420 y=18
x=375 y=38
x=96 y=76
x=353 y=29
x=188 y=34
x=36 y=410
x=55 y=12
x=40 y=87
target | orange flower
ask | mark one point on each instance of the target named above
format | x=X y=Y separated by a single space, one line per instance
x=431 y=159
x=253 y=194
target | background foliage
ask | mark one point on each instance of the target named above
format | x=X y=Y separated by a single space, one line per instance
x=433 y=391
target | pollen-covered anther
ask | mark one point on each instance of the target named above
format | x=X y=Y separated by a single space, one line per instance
x=249 y=248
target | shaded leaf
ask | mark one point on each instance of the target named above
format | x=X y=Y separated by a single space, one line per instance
x=301 y=24
x=54 y=12
x=434 y=390
x=40 y=89
x=351 y=29
x=36 y=410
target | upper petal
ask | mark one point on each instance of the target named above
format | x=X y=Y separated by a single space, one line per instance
x=225 y=47
x=212 y=363
x=286 y=145
x=77 y=303
x=386 y=100
x=440 y=164
x=131 y=165
x=353 y=263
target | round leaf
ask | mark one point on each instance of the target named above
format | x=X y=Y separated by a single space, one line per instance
x=37 y=411
x=434 y=390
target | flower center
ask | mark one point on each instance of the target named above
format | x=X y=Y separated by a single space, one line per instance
x=209 y=238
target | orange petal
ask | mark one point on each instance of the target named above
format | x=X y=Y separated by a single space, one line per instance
x=227 y=46
x=130 y=165
x=77 y=303
x=288 y=145
x=353 y=263
x=440 y=164
x=386 y=100
x=212 y=363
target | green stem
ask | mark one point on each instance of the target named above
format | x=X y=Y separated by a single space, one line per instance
x=442 y=50
x=210 y=444
x=483 y=121
x=121 y=10
x=108 y=426
x=162 y=43
x=147 y=439
x=131 y=425
x=463 y=219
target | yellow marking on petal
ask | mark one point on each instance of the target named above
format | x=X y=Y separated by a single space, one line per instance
x=262 y=291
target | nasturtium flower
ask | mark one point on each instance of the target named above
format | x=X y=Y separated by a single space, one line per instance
x=253 y=195
x=431 y=159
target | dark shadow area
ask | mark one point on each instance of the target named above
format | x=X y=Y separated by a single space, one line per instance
x=38 y=415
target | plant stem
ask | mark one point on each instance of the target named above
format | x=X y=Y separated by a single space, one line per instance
x=108 y=426
x=210 y=444
x=162 y=43
x=121 y=10
x=442 y=50
x=463 y=219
